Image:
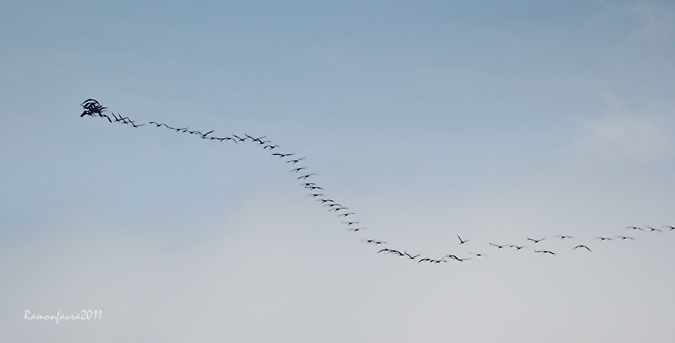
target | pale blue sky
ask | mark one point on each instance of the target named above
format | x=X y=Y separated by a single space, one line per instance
x=491 y=120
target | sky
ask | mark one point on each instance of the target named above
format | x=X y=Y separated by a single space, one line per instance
x=493 y=121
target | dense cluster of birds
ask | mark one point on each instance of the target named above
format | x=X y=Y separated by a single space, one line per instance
x=347 y=217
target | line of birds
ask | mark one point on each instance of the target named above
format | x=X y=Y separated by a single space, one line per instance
x=93 y=108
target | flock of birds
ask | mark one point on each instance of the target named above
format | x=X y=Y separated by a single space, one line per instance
x=347 y=217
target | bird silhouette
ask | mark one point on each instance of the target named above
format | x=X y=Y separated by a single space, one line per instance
x=536 y=240
x=582 y=246
x=623 y=238
x=295 y=161
x=461 y=241
x=306 y=176
x=651 y=229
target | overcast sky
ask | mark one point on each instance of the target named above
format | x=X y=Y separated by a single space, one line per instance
x=492 y=120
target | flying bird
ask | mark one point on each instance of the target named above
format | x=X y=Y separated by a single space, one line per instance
x=461 y=241
x=346 y=214
x=604 y=238
x=306 y=176
x=623 y=238
x=536 y=240
x=582 y=246
x=295 y=161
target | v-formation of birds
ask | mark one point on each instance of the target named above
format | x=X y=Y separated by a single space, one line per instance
x=93 y=108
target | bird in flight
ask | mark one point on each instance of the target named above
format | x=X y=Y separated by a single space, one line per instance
x=350 y=223
x=582 y=246
x=411 y=256
x=604 y=238
x=536 y=240
x=623 y=238
x=391 y=251
x=306 y=176
x=461 y=241
x=651 y=229
x=545 y=252
x=564 y=237
x=295 y=161
x=496 y=245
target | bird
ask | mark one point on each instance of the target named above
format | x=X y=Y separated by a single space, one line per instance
x=545 y=252
x=411 y=256
x=604 y=238
x=477 y=254
x=496 y=245
x=563 y=236
x=582 y=246
x=623 y=238
x=314 y=195
x=670 y=227
x=239 y=138
x=357 y=229
x=373 y=241
x=461 y=241
x=653 y=229
x=272 y=147
x=297 y=169
x=350 y=223
x=206 y=134
x=461 y=259
x=518 y=247
x=306 y=176
x=256 y=139
x=635 y=228
x=91 y=108
x=295 y=161
x=536 y=240
x=346 y=214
